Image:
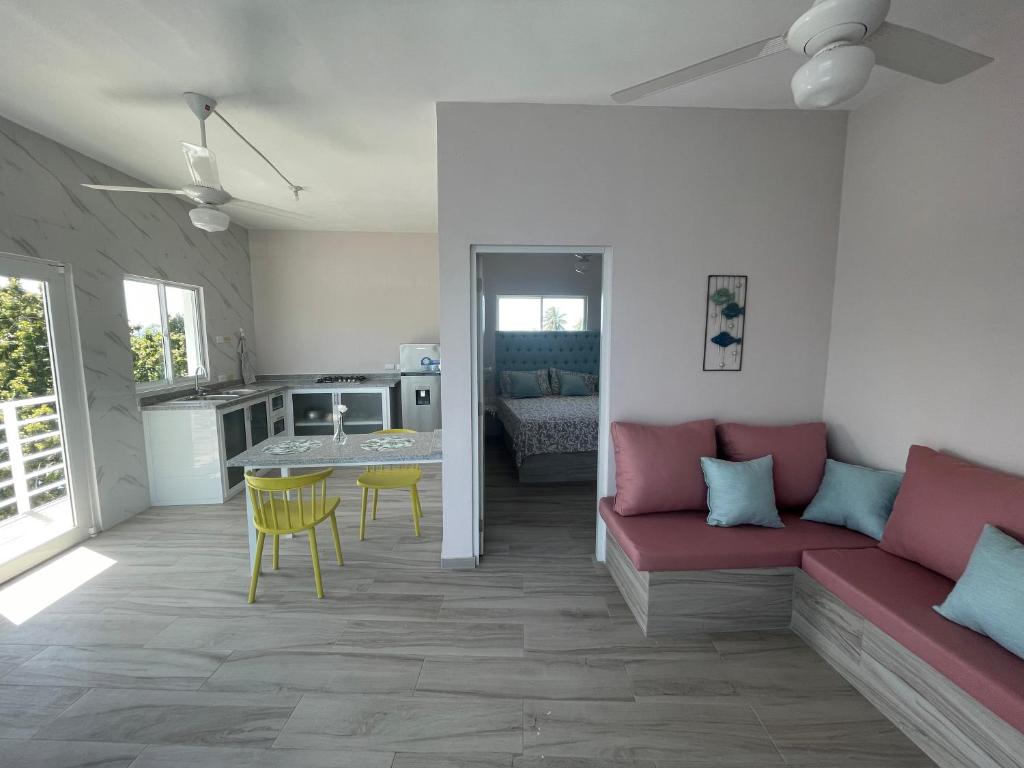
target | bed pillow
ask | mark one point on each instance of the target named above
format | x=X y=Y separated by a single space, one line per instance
x=798 y=453
x=657 y=468
x=741 y=492
x=572 y=385
x=543 y=382
x=523 y=384
x=589 y=380
x=989 y=597
x=855 y=497
x=942 y=506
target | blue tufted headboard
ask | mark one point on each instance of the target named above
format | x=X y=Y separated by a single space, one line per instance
x=531 y=350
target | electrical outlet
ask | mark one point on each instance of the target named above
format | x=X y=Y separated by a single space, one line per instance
x=223 y=339
x=223 y=377
x=389 y=366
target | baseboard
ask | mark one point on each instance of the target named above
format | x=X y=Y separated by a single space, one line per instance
x=458 y=563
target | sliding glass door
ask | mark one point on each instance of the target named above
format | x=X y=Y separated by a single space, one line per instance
x=45 y=488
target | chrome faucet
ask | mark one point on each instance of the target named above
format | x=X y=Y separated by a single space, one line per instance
x=200 y=371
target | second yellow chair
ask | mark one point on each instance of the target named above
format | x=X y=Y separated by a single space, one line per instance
x=388 y=478
x=280 y=507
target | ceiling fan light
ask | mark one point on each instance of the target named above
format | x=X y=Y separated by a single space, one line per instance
x=832 y=76
x=209 y=219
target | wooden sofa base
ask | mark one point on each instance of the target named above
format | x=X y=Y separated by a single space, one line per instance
x=668 y=602
x=949 y=726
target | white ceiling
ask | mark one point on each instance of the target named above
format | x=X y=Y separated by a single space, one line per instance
x=340 y=94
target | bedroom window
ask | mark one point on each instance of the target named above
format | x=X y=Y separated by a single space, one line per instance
x=166 y=331
x=542 y=313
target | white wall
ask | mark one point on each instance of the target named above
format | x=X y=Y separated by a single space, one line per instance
x=46 y=213
x=341 y=302
x=927 y=335
x=677 y=194
x=526 y=274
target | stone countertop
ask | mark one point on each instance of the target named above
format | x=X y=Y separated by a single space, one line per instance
x=260 y=390
x=324 y=452
x=308 y=381
x=264 y=387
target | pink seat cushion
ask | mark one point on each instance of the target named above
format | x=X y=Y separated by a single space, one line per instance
x=683 y=541
x=798 y=452
x=897 y=596
x=657 y=468
x=942 y=506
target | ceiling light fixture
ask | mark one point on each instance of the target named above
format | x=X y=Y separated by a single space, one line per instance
x=209 y=219
x=834 y=74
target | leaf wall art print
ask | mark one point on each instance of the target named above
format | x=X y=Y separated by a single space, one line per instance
x=725 y=322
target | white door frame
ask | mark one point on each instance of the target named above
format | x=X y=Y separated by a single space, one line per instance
x=477 y=378
x=69 y=379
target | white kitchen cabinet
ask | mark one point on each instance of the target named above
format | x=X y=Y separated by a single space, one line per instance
x=187 y=449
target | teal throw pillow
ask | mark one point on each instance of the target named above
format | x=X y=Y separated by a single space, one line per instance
x=741 y=492
x=573 y=386
x=989 y=598
x=855 y=497
x=524 y=384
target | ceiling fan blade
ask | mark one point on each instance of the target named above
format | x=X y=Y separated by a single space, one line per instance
x=268 y=209
x=148 y=190
x=202 y=164
x=921 y=55
x=747 y=53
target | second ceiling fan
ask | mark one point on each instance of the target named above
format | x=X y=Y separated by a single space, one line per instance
x=844 y=39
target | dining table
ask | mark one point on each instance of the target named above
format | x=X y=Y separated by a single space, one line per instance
x=290 y=453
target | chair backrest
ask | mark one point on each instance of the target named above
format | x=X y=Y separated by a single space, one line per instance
x=386 y=467
x=287 y=504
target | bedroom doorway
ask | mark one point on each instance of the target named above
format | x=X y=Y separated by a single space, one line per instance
x=538 y=344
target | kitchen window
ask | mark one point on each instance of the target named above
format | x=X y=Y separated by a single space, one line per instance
x=542 y=313
x=167 y=331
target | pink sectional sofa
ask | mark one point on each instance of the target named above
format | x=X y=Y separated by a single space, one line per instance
x=866 y=606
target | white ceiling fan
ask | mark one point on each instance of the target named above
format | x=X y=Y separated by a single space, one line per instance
x=205 y=190
x=844 y=40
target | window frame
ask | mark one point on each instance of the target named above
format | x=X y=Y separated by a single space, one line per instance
x=541 y=297
x=170 y=381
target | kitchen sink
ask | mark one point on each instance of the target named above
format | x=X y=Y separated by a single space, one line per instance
x=223 y=396
x=240 y=391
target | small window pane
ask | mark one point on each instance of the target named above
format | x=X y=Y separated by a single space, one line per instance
x=564 y=314
x=519 y=313
x=142 y=301
x=183 y=330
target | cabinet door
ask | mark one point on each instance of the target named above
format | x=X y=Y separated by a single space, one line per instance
x=235 y=442
x=366 y=411
x=259 y=422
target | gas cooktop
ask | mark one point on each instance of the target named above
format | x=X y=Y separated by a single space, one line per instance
x=341 y=378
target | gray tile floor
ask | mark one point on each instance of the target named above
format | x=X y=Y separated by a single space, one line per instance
x=532 y=660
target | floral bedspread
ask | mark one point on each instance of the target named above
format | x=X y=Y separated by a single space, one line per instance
x=552 y=424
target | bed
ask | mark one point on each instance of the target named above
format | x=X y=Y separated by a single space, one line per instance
x=552 y=438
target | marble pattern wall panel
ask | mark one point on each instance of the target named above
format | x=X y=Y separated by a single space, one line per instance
x=44 y=212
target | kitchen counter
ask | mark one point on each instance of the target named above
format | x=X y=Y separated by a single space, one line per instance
x=260 y=390
x=264 y=387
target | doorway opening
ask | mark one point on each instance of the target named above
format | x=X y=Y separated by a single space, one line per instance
x=45 y=490
x=540 y=313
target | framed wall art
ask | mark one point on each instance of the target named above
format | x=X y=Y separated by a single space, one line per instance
x=725 y=322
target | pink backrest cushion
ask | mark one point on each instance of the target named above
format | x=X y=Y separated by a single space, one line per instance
x=657 y=468
x=798 y=451
x=942 y=506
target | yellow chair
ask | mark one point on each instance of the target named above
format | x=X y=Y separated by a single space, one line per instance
x=386 y=478
x=280 y=507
